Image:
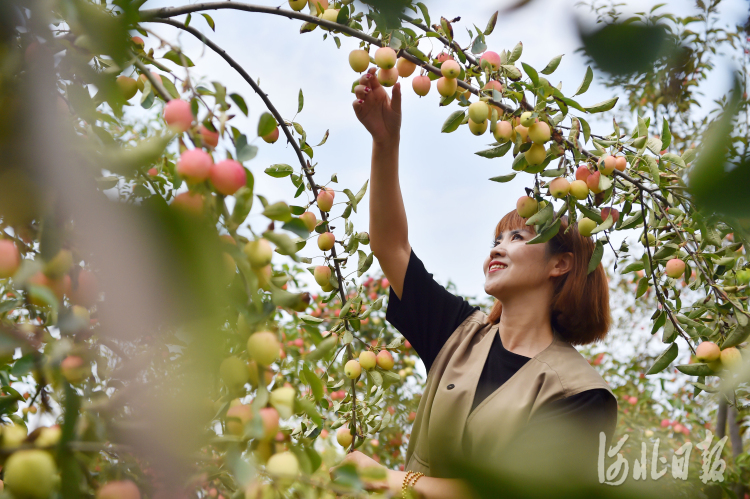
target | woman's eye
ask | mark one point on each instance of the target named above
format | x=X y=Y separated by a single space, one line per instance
x=517 y=235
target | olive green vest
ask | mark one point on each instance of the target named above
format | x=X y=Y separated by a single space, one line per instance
x=444 y=430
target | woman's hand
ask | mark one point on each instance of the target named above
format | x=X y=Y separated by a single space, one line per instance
x=380 y=114
x=361 y=461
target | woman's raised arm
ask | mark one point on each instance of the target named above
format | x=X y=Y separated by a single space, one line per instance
x=381 y=116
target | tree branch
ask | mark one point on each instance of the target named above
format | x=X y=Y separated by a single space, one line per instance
x=155 y=84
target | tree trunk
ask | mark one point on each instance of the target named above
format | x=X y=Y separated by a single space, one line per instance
x=736 y=439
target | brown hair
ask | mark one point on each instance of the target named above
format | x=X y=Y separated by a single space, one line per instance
x=580 y=303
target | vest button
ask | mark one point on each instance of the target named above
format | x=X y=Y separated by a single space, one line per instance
x=451 y=386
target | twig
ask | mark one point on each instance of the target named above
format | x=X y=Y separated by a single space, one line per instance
x=154 y=83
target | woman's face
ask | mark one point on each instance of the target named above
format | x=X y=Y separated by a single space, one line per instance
x=514 y=266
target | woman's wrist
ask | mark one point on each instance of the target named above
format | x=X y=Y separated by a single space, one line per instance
x=395 y=481
x=387 y=141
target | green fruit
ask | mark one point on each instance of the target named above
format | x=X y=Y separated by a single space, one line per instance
x=540 y=133
x=30 y=474
x=283 y=464
x=586 y=226
x=535 y=155
x=234 y=373
x=527 y=119
x=526 y=206
x=479 y=111
x=263 y=347
x=478 y=128
x=259 y=253
x=352 y=369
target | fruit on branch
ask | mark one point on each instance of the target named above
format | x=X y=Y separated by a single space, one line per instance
x=137 y=40
x=478 y=128
x=443 y=56
x=651 y=239
x=446 y=86
x=540 y=133
x=385 y=58
x=284 y=464
x=607 y=164
x=493 y=85
x=527 y=119
x=270 y=418
x=209 y=137
x=586 y=226
x=352 y=369
x=259 y=252
x=367 y=359
x=330 y=15
x=707 y=351
x=326 y=241
x=490 y=60
x=325 y=200
x=593 y=182
x=610 y=211
x=310 y=220
x=178 y=115
x=621 y=163
x=388 y=77
x=385 y=360
x=10 y=258
x=450 y=69
x=30 y=474
x=582 y=173
x=59 y=265
x=190 y=202
x=322 y=274
x=282 y=399
x=323 y=4
x=263 y=347
x=142 y=79
x=526 y=206
x=421 y=85
x=237 y=418
x=74 y=369
x=344 y=436
x=119 y=489
x=731 y=359
x=675 y=267
x=579 y=189
x=479 y=111
x=297 y=5
x=405 y=67
x=194 y=165
x=359 y=60
x=535 y=154
x=522 y=131
x=234 y=373
x=228 y=176
x=503 y=131
x=559 y=187
x=128 y=86
x=272 y=136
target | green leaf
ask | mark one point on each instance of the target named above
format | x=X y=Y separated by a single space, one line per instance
x=586 y=129
x=324 y=347
x=698 y=369
x=606 y=224
x=279 y=170
x=361 y=193
x=632 y=222
x=642 y=286
x=210 y=22
x=504 y=178
x=546 y=234
x=531 y=72
x=237 y=98
x=587 y=79
x=453 y=121
x=352 y=200
x=266 y=124
x=603 y=106
x=511 y=72
x=666 y=358
x=364 y=266
x=316 y=385
x=666 y=135
x=736 y=336
x=491 y=24
x=633 y=267
x=296 y=226
x=596 y=256
x=553 y=173
x=300 y=101
x=552 y=65
x=175 y=57
x=542 y=216
x=278 y=211
x=425 y=14
x=323 y=140
x=516 y=53
x=22 y=366
x=495 y=152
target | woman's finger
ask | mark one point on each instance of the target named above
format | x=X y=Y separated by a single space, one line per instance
x=357 y=105
x=369 y=75
x=361 y=91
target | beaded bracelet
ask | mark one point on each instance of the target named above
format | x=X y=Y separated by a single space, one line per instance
x=410 y=478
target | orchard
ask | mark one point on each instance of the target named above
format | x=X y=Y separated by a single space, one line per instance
x=156 y=344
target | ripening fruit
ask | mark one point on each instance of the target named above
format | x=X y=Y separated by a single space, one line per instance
x=442 y=57
x=526 y=206
x=359 y=60
x=579 y=189
x=74 y=369
x=128 y=86
x=330 y=15
x=30 y=474
x=610 y=211
x=522 y=131
x=586 y=226
x=59 y=265
x=178 y=115
x=142 y=79
x=450 y=69
x=479 y=111
x=194 y=165
x=325 y=200
x=209 y=137
x=263 y=347
x=313 y=5
x=607 y=164
x=478 y=128
x=282 y=399
x=385 y=57
x=352 y=369
x=447 y=86
x=503 y=131
x=228 y=176
x=527 y=119
x=405 y=67
x=367 y=359
x=310 y=220
x=731 y=358
x=593 y=182
x=582 y=173
x=284 y=464
x=388 y=77
x=707 y=351
x=621 y=163
x=270 y=418
x=493 y=85
x=540 y=133
x=344 y=436
x=234 y=373
x=189 y=202
x=421 y=85
x=651 y=239
x=271 y=137
x=10 y=258
x=490 y=59
x=385 y=360
x=322 y=274
x=559 y=187
x=119 y=489
x=138 y=41
x=297 y=5
x=259 y=252
x=535 y=155
x=326 y=241
x=675 y=267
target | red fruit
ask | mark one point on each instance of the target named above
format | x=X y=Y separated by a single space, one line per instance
x=582 y=173
x=615 y=214
x=442 y=57
x=325 y=200
x=326 y=241
x=493 y=85
x=211 y=139
x=593 y=182
x=270 y=418
x=407 y=345
x=675 y=267
x=152 y=172
x=621 y=163
x=633 y=400
x=272 y=137
x=178 y=115
x=412 y=416
x=421 y=85
x=138 y=41
x=490 y=58
x=119 y=489
x=228 y=176
x=194 y=165
x=10 y=258
x=665 y=423
x=191 y=202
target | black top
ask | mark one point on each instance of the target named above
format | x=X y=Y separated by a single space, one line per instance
x=427 y=314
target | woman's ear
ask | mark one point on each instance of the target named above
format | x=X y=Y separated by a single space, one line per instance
x=563 y=263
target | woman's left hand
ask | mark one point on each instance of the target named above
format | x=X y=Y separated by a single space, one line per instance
x=361 y=461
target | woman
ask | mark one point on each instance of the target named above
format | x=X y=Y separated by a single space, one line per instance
x=502 y=387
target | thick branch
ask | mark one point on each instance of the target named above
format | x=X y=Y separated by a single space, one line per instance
x=445 y=41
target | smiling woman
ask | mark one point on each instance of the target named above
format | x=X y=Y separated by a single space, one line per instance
x=506 y=392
